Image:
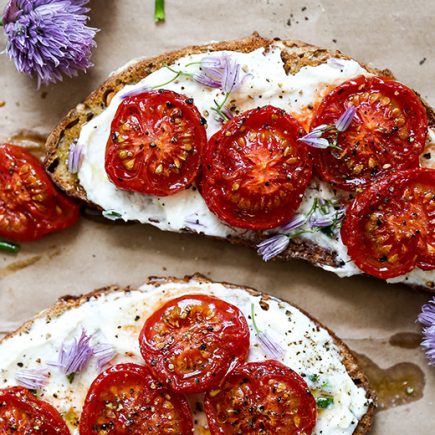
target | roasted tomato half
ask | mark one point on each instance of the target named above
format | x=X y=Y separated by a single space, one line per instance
x=390 y=227
x=387 y=133
x=22 y=413
x=255 y=171
x=126 y=399
x=156 y=143
x=30 y=204
x=261 y=397
x=192 y=342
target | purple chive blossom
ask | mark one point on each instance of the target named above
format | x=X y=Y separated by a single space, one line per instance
x=211 y=71
x=75 y=356
x=273 y=246
x=335 y=63
x=220 y=72
x=232 y=77
x=104 y=353
x=427 y=319
x=315 y=139
x=75 y=157
x=345 y=119
x=320 y=220
x=272 y=348
x=136 y=91
x=296 y=222
x=48 y=38
x=32 y=379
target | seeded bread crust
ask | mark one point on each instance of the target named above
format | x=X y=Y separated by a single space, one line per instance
x=296 y=55
x=67 y=303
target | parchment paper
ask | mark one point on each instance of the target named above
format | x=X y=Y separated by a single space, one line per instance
x=364 y=312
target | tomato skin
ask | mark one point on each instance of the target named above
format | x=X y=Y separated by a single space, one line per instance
x=140 y=405
x=255 y=171
x=266 y=398
x=30 y=205
x=156 y=143
x=193 y=341
x=389 y=228
x=388 y=132
x=21 y=411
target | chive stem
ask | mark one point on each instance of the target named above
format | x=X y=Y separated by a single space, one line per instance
x=159 y=11
x=253 y=319
x=9 y=247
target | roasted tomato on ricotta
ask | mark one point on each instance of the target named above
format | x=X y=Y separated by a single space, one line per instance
x=255 y=171
x=156 y=143
x=30 y=205
x=126 y=399
x=192 y=342
x=387 y=133
x=261 y=398
x=22 y=413
x=390 y=227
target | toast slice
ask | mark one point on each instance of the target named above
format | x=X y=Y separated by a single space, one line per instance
x=71 y=313
x=295 y=55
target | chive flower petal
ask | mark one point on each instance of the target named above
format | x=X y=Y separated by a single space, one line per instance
x=104 y=353
x=220 y=72
x=345 y=119
x=273 y=246
x=75 y=356
x=32 y=379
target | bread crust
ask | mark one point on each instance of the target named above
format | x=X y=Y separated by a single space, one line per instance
x=296 y=55
x=68 y=302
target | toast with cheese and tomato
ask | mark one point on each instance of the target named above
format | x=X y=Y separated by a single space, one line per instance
x=180 y=356
x=297 y=151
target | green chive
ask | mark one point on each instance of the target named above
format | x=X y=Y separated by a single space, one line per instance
x=9 y=247
x=253 y=319
x=159 y=11
x=324 y=402
x=111 y=214
x=71 y=377
x=314 y=378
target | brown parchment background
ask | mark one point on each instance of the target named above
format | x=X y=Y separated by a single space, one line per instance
x=363 y=311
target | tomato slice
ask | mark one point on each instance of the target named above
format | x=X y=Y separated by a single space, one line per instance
x=22 y=413
x=387 y=133
x=255 y=171
x=261 y=397
x=126 y=399
x=390 y=227
x=156 y=143
x=30 y=204
x=193 y=341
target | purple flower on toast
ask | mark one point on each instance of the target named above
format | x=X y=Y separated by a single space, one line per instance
x=32 y=379
x=315 y=137
x=273 y=246
x=220 y=72
x=48 y=38
x=104 y=353
x=75 y=356
x=345 y=119
x=271 y=347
